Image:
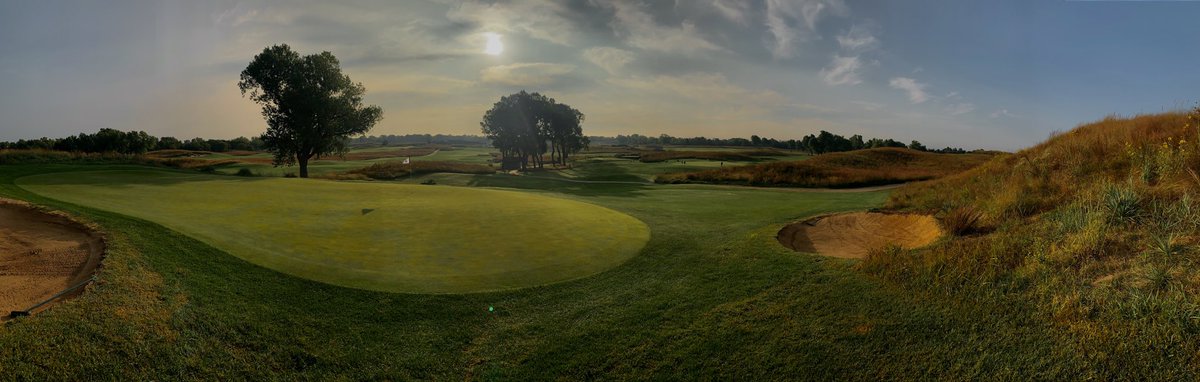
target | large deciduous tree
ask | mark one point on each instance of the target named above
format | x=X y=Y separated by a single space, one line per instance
x=524 y=126
x=311 y=108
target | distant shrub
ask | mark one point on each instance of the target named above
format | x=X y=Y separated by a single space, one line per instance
x=207 y=169
x=289 y=175
x=429 y=181
x=244 y=172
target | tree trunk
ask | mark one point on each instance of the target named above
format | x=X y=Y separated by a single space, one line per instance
x=303 y=165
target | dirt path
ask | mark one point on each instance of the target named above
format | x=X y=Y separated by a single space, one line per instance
x=41 y=254
x=855 y=234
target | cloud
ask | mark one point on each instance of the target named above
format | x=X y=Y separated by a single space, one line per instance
x=712 y=90
x=791 y=22
x=387 y=82
x=525 y=74
x=960 y=108
x=857 y=39
x=842 y=71
x=639 y=30
x=1003 y=113
x=733 y=10
x=915 y=90
x=539 y=19
x=868 y=106
x=611 y=59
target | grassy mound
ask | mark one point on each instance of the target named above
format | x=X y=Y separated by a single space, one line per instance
x=387 y=237
x=1097 y=228
x=859 y=168
x=397 y=169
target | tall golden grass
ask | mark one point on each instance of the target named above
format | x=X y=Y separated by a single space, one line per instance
x=859 y=168
x=1097 y=228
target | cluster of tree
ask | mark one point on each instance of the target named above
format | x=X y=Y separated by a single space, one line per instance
x=131 y=142
x=525 y=126
x=826 y=142
x=418 y=139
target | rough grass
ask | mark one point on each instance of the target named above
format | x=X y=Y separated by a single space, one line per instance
x=711 y=296
x=387 y=237
x=723 y=155
x=859 y=168
x=397 y=169
x=1096 y=229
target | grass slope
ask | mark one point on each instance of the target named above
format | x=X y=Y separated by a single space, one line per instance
x=871 y=167
x=424 y=239
x=1097 y=228
x=711 y=296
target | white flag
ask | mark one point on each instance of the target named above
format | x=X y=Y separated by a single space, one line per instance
x=405 y=160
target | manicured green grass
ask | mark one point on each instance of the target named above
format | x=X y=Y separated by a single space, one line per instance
x=387 y=237
x=710 y=296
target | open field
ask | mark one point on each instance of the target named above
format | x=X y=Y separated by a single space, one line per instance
x=712 y=292
x=388 y=237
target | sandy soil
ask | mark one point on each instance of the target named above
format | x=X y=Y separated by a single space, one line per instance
x=42 y=254
x=852 y=235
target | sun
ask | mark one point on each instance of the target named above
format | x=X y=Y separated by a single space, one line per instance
x=494 y=46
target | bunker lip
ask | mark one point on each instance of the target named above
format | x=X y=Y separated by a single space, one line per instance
x=853 y=235
x=42 y=256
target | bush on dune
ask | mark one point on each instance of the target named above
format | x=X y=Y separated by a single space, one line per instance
x=1106 y=220
x=859 y=168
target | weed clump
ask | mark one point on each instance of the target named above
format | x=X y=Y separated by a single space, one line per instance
x=1121 y=202
x=962 y=221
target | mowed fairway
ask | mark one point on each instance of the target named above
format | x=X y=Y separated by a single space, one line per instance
x=377 y=236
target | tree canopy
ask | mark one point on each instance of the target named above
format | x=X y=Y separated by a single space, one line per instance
x=311 y=108
x=525 y=126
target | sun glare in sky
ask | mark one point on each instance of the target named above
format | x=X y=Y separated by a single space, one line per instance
x=494 y=47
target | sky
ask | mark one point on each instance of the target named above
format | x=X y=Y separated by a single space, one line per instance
x=973 y=74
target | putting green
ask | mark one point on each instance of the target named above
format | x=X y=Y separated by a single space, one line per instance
x=378 y=236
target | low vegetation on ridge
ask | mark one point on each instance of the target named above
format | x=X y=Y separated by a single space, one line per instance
x=1097 y=229
x=870 y=167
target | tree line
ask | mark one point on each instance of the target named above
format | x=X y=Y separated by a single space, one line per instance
x=524 y=127
x=823 y=142
x=131 y=142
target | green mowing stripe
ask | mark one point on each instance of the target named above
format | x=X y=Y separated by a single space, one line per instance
x=417 y=239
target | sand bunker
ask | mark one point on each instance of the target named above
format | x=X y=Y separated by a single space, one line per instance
x=42 y=254
x=852 y=235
